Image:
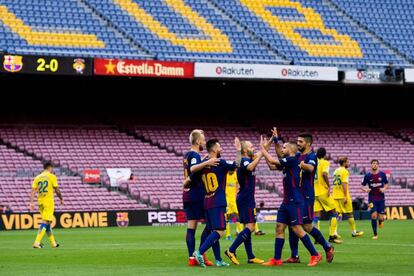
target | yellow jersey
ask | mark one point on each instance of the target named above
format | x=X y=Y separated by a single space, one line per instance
x=341 y=175
x=321 y=187
x=231 y=188
x=45 y=183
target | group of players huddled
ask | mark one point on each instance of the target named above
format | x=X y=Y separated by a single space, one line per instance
x=305 y=194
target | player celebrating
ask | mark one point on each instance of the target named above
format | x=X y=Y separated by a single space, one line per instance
x=377 y=183
x=246 y=202
x=214 y=179
x=193 y=194
x=324 y=200
x=290 y=212
x=44 y=184
x=308 y=168
x=231 y=210
x=342 y=196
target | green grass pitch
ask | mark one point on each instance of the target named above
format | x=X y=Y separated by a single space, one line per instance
x=162 y=251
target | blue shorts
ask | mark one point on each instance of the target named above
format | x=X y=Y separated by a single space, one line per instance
x=246 y=214
x=215 y=218
x=194 y=210
x=308 y=214
x=290 y=214
x=378 y=206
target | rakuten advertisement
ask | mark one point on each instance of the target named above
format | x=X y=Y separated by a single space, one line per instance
x=263 y=71
x=313 y=73
x=355 y=76
x=409 y=75
x=234 y=71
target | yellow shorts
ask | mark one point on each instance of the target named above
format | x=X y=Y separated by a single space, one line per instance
x=324 y=202
x=46 y=211
x=344 y=208
x=231 y=208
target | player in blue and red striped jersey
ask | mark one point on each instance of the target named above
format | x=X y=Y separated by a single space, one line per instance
x=214 y=180
x=308 y=163
x=290 y=212
x=246 y=203
x=375 y=183
x=193 y=193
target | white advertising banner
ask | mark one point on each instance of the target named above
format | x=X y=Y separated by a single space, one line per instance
x=314 y=73
x=409 y=75
x=263 y=71
x=357 y=76
x=234 y=71
x=118 y=175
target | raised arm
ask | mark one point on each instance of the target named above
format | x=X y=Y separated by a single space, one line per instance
x=275 y=138
x=271 y=166
x=237 y=146
x=255 y=162
x=267 y=156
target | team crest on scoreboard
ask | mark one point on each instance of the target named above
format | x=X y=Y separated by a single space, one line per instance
x=122 y=219
x=13 y=64
x=79 y=65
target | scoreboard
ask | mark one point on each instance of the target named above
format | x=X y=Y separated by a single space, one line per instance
x=46 y=65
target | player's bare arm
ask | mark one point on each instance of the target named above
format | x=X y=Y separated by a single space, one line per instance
x=345 y=189
x=210 y=162
x=326 y=178
x=366 y=189
x=306 y=167
x=59 y=195
x=267 y=156
x=32 y=194
x=271 y=166
x=237 y=146
x=255 y=162
x=278 y=148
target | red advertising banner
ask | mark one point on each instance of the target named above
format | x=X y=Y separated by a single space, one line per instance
x=92 y=176
x=144 y=68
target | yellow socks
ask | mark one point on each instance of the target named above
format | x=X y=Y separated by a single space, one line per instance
x=352 y=224
x=333 y=226
x=40 y=233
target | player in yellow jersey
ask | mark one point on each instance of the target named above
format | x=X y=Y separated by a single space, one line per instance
x=342 y=196
x=231 y=192
x=323 y=200
x=44 y=185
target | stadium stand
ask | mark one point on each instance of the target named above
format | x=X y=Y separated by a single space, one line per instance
x=66 y=28
x=392 y=23
x=78 y=196
x=155 y=156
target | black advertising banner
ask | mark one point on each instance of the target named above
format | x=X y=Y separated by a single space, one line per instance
x=46 y=65
x=23 y=221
